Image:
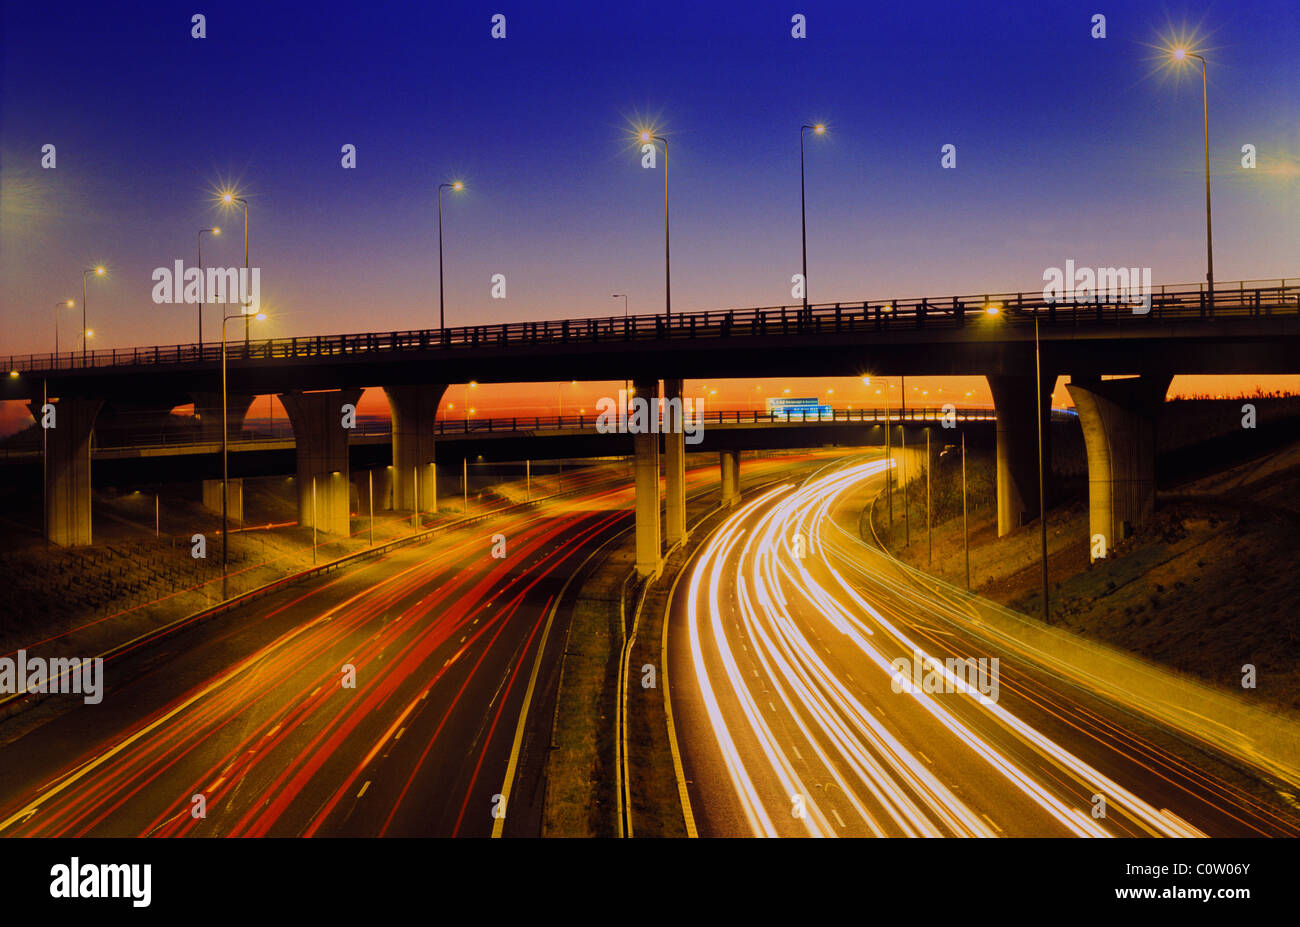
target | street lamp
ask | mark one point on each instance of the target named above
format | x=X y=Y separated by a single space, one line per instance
x=817 y=129
x=1180 y=55
x=230 y=199
x=215 y=230
x=889 y=469
x=1042 y=486
x=66 y=305
x=649 y=138
x=993 y=310
x=442 y=319
x=472 y=384
x=98 y=271
x=225 y=447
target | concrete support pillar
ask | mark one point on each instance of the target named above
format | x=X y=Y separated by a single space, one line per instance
x=730 y=465
x=1118 y=418
x=645 y=449
x=1017 y=451
x=674 y=466
x=67 y=470
x=207 y=406
x=322 y=445
x=234 y=502
x=414 y=410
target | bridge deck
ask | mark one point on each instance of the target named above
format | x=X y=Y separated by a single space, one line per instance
x=1168 y=304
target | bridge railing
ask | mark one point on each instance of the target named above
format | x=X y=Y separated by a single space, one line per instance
x=1184 y=302
x=280 y=433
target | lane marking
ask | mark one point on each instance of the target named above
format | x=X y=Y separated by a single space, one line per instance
x=553 y=606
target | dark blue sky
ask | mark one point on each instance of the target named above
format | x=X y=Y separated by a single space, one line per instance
x=1068 y=147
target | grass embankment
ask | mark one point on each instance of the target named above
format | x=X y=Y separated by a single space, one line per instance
x=1206 y=587
x=87 y=600
x=581 y=799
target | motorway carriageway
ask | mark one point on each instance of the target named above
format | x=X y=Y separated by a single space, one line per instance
x=248 y=709
x=782 y=683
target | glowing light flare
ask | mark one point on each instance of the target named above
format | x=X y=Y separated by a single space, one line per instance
x=1175 y=48
x=644 y=129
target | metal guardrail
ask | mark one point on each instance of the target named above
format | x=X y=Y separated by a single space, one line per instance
x=1171 y=303
x=525 y=424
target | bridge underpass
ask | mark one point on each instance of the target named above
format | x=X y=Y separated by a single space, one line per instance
x=371 y=451
x=1248 y=327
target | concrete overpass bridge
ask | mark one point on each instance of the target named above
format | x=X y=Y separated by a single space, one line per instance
x=171 y=457
x=1250 y=327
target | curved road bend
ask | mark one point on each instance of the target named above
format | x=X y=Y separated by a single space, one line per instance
x=792 y=720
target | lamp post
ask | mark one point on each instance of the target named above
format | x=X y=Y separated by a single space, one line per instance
x=67 y=304
x=818 y=129
x=889 y=482
x=442 y=319
x=929 y=516
x=1042 y=488
x=650 y=138
x=229 y=199
x=98 y=272
x=994 y=311
x=907 y=519
x=45 y=450
x=225 y=448
x=215 y=230
x=1181 y=55
x=965 y=523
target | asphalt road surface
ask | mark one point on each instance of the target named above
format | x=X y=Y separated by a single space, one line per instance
x=253 y=719
x=807 y=701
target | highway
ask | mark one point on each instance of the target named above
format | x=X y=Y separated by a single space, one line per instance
x=807 y=701
x=249 y=718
